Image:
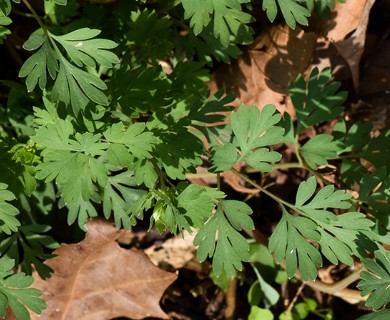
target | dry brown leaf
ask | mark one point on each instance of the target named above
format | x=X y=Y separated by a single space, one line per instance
x=352 y=48
x=236 y=182
x=261 y=74
x=177 y=251
x=97 y=279
x=346 y=18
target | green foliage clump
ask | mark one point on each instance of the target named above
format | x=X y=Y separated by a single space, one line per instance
x=113 y=127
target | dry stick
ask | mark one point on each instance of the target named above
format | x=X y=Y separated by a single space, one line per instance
x=294 y=300
x=36 y=16
x=231 y=296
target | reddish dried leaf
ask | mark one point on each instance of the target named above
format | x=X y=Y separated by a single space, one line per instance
x=352 y=48
x=97 y=279
x=176 y=251
x=261 y=75
x=346 y=19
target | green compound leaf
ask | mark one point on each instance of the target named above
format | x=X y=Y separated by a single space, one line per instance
x=227 y=17
x=319 y=149
x=288 y=241
x=5 y=7
x=76 y=87
x=178 y=152
x=376 y=280
x=197 y=202
x=119 y=198
x=145 y=173
x=230 y=248
x=84 y=50
x=73 y=162
x=380 y=315
x=139 y=143
x=377 y=151
x=353 y=230
x=28 y=247
x=291 y=11
x=253 y=129
x=73 y=86
x=316 y=100
x=139 y=90
x=322 y=6
x=339 y=236
x=8 y=212
x=353 y=138
x=183 y=207
x=44 y=61
x=15 y=292
x=4 y=21
x=375 y=190
x=224 y=157
x=149 y=36
x=348 y=228
x=81 y=210
x=327 y=197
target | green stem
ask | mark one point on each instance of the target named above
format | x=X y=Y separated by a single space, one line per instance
x=296 y=149
x=36 y=16
x=257 y=186
x=159 y=172
x=201 y=175
x=280 y=166
x=337 y=286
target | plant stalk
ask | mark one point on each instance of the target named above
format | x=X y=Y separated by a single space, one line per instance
x=36 y=16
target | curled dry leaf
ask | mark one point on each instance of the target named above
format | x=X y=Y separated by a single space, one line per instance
x=97 y=279
x=261 y=74
x=236 y=182
x=176 y=251
x=352 y=48
x=345 y=19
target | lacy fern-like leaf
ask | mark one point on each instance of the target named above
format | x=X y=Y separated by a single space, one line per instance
x=71 y=161
x=327 y=197
x=4 y=21
x=316 y=100
x=376 y=280
x=319 y=149
x=253 y=130
x=149 y=36
x=27 y=247
x=288 y=241
x=81 y=210
x=15 y=292
x=7 y=211
x=227 y=17
x=119 y=197
x=183 y=207
x=291 y=11
x=339 y=237
x=230 y=248
x=139 y=143
x=85 y=50
x=73 y=86
x=323 y=6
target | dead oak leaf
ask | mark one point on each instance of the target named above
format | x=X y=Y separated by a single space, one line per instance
x=352 y=48
x=176 y=251
x=262 y=73
x=345 y=19
x=97 y=279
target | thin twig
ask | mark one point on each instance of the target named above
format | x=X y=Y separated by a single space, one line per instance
x=36 y=16
x=294 y=300
x=231 y=297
